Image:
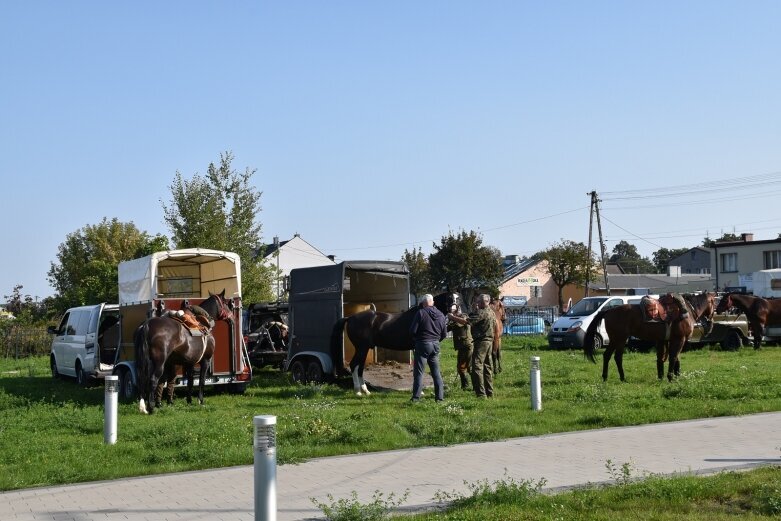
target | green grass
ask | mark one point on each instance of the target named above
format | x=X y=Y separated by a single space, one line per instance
x=51 y=431
x=725 y=496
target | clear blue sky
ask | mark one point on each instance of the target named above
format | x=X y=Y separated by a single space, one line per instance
x=380 y=126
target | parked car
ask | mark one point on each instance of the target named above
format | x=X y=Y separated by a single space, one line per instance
x=569 y=330
x=524 y=325
x=265 y=330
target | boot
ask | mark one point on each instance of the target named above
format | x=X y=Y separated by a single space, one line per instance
x=464 y=381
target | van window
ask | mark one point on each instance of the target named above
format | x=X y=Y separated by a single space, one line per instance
x=585 y=307
x=93 y=319
x=614 y=303
x=63 y=324
x=79 y=320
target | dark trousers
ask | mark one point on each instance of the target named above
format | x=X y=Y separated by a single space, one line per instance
x=427 y=352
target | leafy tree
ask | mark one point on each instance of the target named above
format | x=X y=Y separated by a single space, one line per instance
x=419 y=276
x=217 y=211
x=88 y=260
x=663 y=256
x=567 y=263
x=626 y=256
x=461 y=263
x=727 y=237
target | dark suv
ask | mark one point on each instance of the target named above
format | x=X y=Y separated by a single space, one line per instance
x=266 y=333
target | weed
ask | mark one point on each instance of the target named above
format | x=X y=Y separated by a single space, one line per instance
x=622 y=475
x=378 y=509
x=506 y=490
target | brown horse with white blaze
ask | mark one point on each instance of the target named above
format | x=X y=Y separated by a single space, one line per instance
x=627 y=320
x=501 y=315
x=760 y=312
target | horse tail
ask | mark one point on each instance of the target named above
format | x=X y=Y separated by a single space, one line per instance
x=337 y=351
x=142 y=359
x=588 y=340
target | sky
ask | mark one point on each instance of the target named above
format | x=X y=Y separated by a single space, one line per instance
x=379 y=127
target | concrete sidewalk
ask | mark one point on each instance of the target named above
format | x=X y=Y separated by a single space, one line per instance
x=564 y=460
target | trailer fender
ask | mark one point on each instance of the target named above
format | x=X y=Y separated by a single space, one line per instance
x=325 y=360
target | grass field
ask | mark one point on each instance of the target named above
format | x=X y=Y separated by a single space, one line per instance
x=51 y=431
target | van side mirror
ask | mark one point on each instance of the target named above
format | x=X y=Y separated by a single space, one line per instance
x=52 y=330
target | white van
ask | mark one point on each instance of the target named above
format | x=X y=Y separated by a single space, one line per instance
x=85 y=343
x=569 y=330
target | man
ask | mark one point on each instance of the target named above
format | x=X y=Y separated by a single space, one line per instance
x=428 y=329
x=462 y=341
x=483 y=323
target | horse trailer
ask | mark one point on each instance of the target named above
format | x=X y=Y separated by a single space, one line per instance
x=169 y=280
x=322 y=295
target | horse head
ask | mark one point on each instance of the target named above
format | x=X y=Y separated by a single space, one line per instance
x=724 y=304
x=498 y=306
x=448 y=303
x=224 y=306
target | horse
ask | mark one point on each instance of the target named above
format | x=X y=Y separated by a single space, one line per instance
x=760 y=312
x=162 y=343
x=628 y=320
x=368 y=329
x=501 y=315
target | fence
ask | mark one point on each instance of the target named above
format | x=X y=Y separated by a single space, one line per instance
x=21 y=342
x=529 y=320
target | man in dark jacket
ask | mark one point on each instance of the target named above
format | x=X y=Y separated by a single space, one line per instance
x=428 y=329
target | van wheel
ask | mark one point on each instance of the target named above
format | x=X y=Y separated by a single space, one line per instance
x=598 y=342
x=55 y=371
x=81 y=376
x=732 y=342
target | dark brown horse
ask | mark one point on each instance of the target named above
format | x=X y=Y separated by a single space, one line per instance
x=760 y=312
x=162 y=343
x=496 y=355
x=369 y=329
x=621 y=322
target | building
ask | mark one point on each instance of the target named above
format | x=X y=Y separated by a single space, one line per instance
x=528 y=278
x=696 y=260
x=733 y=263
x=291 y=254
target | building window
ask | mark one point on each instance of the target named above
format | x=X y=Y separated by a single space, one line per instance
x=729 y=262
x=772 y=259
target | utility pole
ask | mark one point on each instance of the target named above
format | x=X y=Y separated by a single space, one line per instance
x=276 y=245
x=595 y=210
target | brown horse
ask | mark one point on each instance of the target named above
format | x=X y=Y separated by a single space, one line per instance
x=162 y=343
x=501 y=315
x=369 y=329
x=760 y=312
x=621 y=322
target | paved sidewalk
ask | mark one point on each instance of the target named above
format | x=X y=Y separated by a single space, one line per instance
x=564 y=460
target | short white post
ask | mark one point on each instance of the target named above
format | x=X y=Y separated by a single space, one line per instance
x=265 y=445
x=536 y=385
x=110 y=410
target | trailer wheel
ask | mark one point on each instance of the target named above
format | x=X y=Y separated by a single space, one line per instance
x=298 y=372
x=127 y=390
x=237 y=388
x=314 y=372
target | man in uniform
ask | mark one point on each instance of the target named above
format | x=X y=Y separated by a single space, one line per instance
x=462 y=341
x=483 y=324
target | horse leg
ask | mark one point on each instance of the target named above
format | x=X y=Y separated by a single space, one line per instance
x=606 y=360
x=675 y=351
x=620 y=360
x=758 y=333
x=356 y=368
x=170 y=386
x=189 y=374
x=202 y=381
x=661 y=358
x=154 y=378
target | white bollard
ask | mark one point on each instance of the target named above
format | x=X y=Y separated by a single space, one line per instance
x=110 y=410
x=265 y=445
x=536 y=384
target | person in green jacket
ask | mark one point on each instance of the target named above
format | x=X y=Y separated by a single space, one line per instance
x=482 y=324
x=458 y=323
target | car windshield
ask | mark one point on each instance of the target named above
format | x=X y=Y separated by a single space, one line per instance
x=585 y=307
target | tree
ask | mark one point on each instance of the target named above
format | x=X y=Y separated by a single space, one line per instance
x=419 y=276
x=462 y=264
x=567 y=263
x=727 y=237
x=218 y=211
x=88 y=260
x=663 y=256
x=626 y=255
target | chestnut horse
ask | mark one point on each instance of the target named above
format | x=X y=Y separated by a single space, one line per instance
x=162 y=343
x=369 y=329
x=627 y=320
x=760 y=312
x=501 y=315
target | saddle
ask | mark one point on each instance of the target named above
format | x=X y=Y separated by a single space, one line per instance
x=664 y=309
x=197 y=324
